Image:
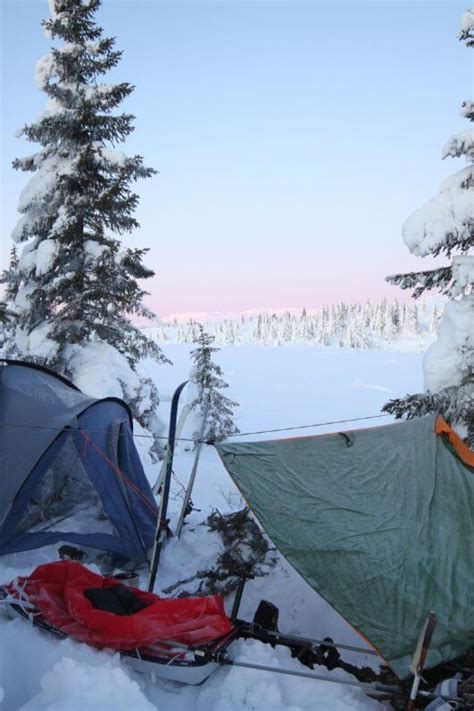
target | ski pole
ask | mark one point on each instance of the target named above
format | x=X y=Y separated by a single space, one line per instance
x=162 y=524
x=187 y=498
x=179 y=428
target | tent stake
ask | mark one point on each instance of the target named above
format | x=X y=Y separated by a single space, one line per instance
x=187 y=498
x=162 y=524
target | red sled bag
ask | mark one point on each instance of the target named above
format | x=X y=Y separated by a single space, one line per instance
x=60 y=591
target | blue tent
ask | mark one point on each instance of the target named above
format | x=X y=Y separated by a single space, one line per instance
x=69 y=469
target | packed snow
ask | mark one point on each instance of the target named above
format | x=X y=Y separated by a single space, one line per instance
x=276 y=387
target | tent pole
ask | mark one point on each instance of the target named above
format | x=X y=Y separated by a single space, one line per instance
x=222 y=658
x=187 y=498
x=162 y=525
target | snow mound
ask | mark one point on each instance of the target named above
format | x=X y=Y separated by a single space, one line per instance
x=73 y=685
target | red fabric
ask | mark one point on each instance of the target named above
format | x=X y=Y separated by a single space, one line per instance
x=57 y=589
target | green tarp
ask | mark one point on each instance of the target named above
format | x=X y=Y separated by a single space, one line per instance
x=380 y=522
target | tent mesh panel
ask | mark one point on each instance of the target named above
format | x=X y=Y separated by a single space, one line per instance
x=66 y=491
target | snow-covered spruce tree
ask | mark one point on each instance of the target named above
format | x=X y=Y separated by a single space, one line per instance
x=445 y=225
x=207 y=378
x=77 y=285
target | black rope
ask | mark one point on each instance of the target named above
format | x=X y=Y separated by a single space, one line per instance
x=305 y=427
x=203 y=441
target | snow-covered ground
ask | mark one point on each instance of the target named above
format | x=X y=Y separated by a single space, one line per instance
x=276 y=387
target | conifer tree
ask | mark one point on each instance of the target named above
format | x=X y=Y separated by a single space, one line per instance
x=209 y=401
x=10 y=279
x=445 y=225
x=76 y=285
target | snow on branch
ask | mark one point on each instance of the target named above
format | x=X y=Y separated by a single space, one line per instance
x=459 y=145
x=467 y=109
x=446 y=221
x=467 y=27
x=44 y=69
x=423 y=281
x=454 y=404
x=463 y=275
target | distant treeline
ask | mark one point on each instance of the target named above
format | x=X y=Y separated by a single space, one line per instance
x=370 y=325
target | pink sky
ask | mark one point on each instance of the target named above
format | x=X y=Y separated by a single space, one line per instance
x=289 y=154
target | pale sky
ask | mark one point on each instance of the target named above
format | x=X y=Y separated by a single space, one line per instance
x=292 y=139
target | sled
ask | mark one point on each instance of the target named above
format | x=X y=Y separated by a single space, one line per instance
x=57 y=599
x=184 y=668
x=193 y=664
x=160 y=661
x=54 y=600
